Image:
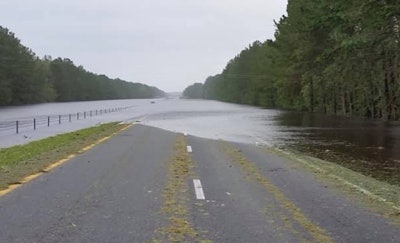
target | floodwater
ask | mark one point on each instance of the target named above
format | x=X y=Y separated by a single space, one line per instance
x=365 y=145
x=368 y=146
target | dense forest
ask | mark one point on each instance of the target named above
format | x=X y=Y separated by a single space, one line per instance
x=194 y=91
x=27 y=79
x=329 y=56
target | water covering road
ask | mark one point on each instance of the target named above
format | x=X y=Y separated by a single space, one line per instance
x=371 y=147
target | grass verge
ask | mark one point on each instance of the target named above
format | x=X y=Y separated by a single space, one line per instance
x=20 y=161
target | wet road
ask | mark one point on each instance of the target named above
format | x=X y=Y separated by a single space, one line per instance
x=147 y=185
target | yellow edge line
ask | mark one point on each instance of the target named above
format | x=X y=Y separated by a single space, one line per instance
x=54 y=165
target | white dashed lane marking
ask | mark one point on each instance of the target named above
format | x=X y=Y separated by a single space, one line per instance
x=198 y=189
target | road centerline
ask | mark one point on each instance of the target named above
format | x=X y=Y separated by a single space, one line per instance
x=198 y=189
x=189 y=149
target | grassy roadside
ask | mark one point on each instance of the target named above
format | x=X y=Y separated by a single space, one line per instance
x=381 y=197
x=20 y=161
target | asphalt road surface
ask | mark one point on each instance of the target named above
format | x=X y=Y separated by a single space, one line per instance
x=118 y=192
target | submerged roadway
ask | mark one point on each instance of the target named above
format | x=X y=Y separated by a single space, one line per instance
x=150 y=185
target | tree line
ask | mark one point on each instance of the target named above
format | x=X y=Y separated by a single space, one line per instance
x=194 y=91
x=328 y=56
x=26 y=78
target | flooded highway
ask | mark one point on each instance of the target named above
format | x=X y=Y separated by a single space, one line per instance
x=367 y=146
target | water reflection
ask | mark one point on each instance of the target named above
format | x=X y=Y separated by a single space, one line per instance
x=369 y=146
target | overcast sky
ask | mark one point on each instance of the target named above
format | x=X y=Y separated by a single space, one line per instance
x=169 y=44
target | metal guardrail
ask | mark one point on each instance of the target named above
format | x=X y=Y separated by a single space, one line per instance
x=47 y=121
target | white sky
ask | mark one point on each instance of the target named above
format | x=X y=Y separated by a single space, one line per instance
x=169 y=44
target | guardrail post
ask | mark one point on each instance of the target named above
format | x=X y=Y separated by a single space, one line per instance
x=90 y=113
x=17 y=126
x=59 y=119
x=77 y=116
x=48 y=121
x=69 y=117
x=34 y=123
x=84 y=115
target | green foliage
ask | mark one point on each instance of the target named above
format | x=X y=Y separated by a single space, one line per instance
x=74 y=83
x=334 y=57
x=194 y=91
x=20 y=72
x=247 y=78
x=26 y=79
